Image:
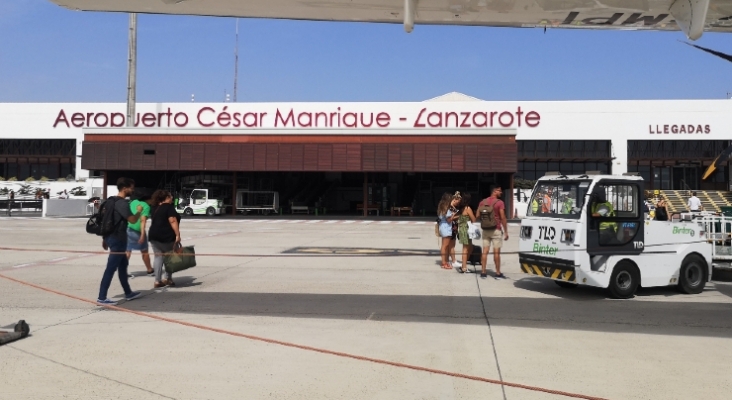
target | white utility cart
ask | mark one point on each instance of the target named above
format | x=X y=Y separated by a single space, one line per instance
x=595 y=234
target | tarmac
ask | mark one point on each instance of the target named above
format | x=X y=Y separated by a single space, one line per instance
x=340 y=309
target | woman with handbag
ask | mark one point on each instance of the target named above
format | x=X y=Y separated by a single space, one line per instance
x=465 y=219
x=446 y=215
x=164 y=234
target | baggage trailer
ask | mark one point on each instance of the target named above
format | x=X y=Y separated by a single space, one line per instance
x=718 y=230
x=590 y=230
x=263 y=201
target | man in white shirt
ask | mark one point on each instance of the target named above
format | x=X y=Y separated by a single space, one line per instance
x=694 y=204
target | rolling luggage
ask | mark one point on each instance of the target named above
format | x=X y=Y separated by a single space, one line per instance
x=474 y=257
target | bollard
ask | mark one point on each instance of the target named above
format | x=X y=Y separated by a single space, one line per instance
x=316 y=211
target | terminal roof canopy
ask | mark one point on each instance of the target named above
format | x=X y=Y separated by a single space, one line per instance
x=704 y=15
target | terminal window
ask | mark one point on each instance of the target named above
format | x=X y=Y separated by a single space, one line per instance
x=37 y=158
x=537 y=157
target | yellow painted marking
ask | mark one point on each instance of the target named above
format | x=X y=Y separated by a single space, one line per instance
x=525 y=268
x=538 y=271
x=556 y=273
x=567 y=275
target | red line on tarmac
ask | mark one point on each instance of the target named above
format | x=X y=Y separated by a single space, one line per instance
x=83 y=253
x=315 y=349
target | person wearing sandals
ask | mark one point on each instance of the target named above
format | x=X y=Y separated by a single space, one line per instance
x=164 y=234
x=446 y=215
x=466 y=217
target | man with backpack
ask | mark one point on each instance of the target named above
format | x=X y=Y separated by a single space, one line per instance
x=492 y=215
x=115 y=214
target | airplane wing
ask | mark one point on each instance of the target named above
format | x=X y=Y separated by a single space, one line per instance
x=693 y=17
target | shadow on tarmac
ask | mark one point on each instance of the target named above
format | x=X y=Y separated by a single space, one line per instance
x=573 y=312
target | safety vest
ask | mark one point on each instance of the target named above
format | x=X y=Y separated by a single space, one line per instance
x=534 y=206
x=567 y=206
x=606 y=225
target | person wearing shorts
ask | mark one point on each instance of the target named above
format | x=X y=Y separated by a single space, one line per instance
x=136 y=233
x=494 y=237
x=446 y=215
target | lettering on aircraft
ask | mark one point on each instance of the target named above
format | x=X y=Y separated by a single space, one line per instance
x=233 y=117
x=634 y=19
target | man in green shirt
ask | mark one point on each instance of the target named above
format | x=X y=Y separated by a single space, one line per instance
x=136 y=233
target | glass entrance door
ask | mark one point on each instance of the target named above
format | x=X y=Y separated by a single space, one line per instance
x=662 y=178
x=686 y=178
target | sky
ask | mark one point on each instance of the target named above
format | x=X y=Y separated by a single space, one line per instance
x=51 y=54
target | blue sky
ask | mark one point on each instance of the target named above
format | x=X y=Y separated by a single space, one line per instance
x=50 y=54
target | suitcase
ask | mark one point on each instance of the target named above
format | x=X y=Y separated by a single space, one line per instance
x=474 y=258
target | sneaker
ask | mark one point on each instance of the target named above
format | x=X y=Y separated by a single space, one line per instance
x=130 y=276
x=483 y=276
x=133 y=296
x=457 y=264
x=106 y=302
x=500 y=276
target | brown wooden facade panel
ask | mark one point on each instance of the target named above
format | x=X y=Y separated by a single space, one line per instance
x=377 y=157
x=285 y=157
x=381 y=157
x=272 y=157
x=329 y=139
x=246 y=157
x=161 y=157
x=325 y=157
x=458 y=157
x=174 y=154
x=310 y=157
x=353 y=163
x=260 y=157
x=368 y=152
x=340 y=157
x=420 y=157
x=394 y=157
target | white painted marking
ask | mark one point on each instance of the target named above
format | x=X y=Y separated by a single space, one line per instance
x=296 y=221
x=367 y=222
x=331 y=222
x=420 y=222
x=58 y=259
x=22 y=265
x=349 y=222
x=313 y=222
x=385 y=222
x=402 y=222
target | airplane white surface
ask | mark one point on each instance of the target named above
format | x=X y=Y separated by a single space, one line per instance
x=693 y=17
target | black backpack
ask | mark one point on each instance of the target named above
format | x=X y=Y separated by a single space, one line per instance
x=102 y=223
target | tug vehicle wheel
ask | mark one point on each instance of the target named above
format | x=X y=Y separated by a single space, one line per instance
x=624 y=281
x=692 y=275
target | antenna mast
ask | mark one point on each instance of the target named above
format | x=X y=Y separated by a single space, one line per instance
x=236 y=60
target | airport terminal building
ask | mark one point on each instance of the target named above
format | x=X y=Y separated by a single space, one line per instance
x=335 y=155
